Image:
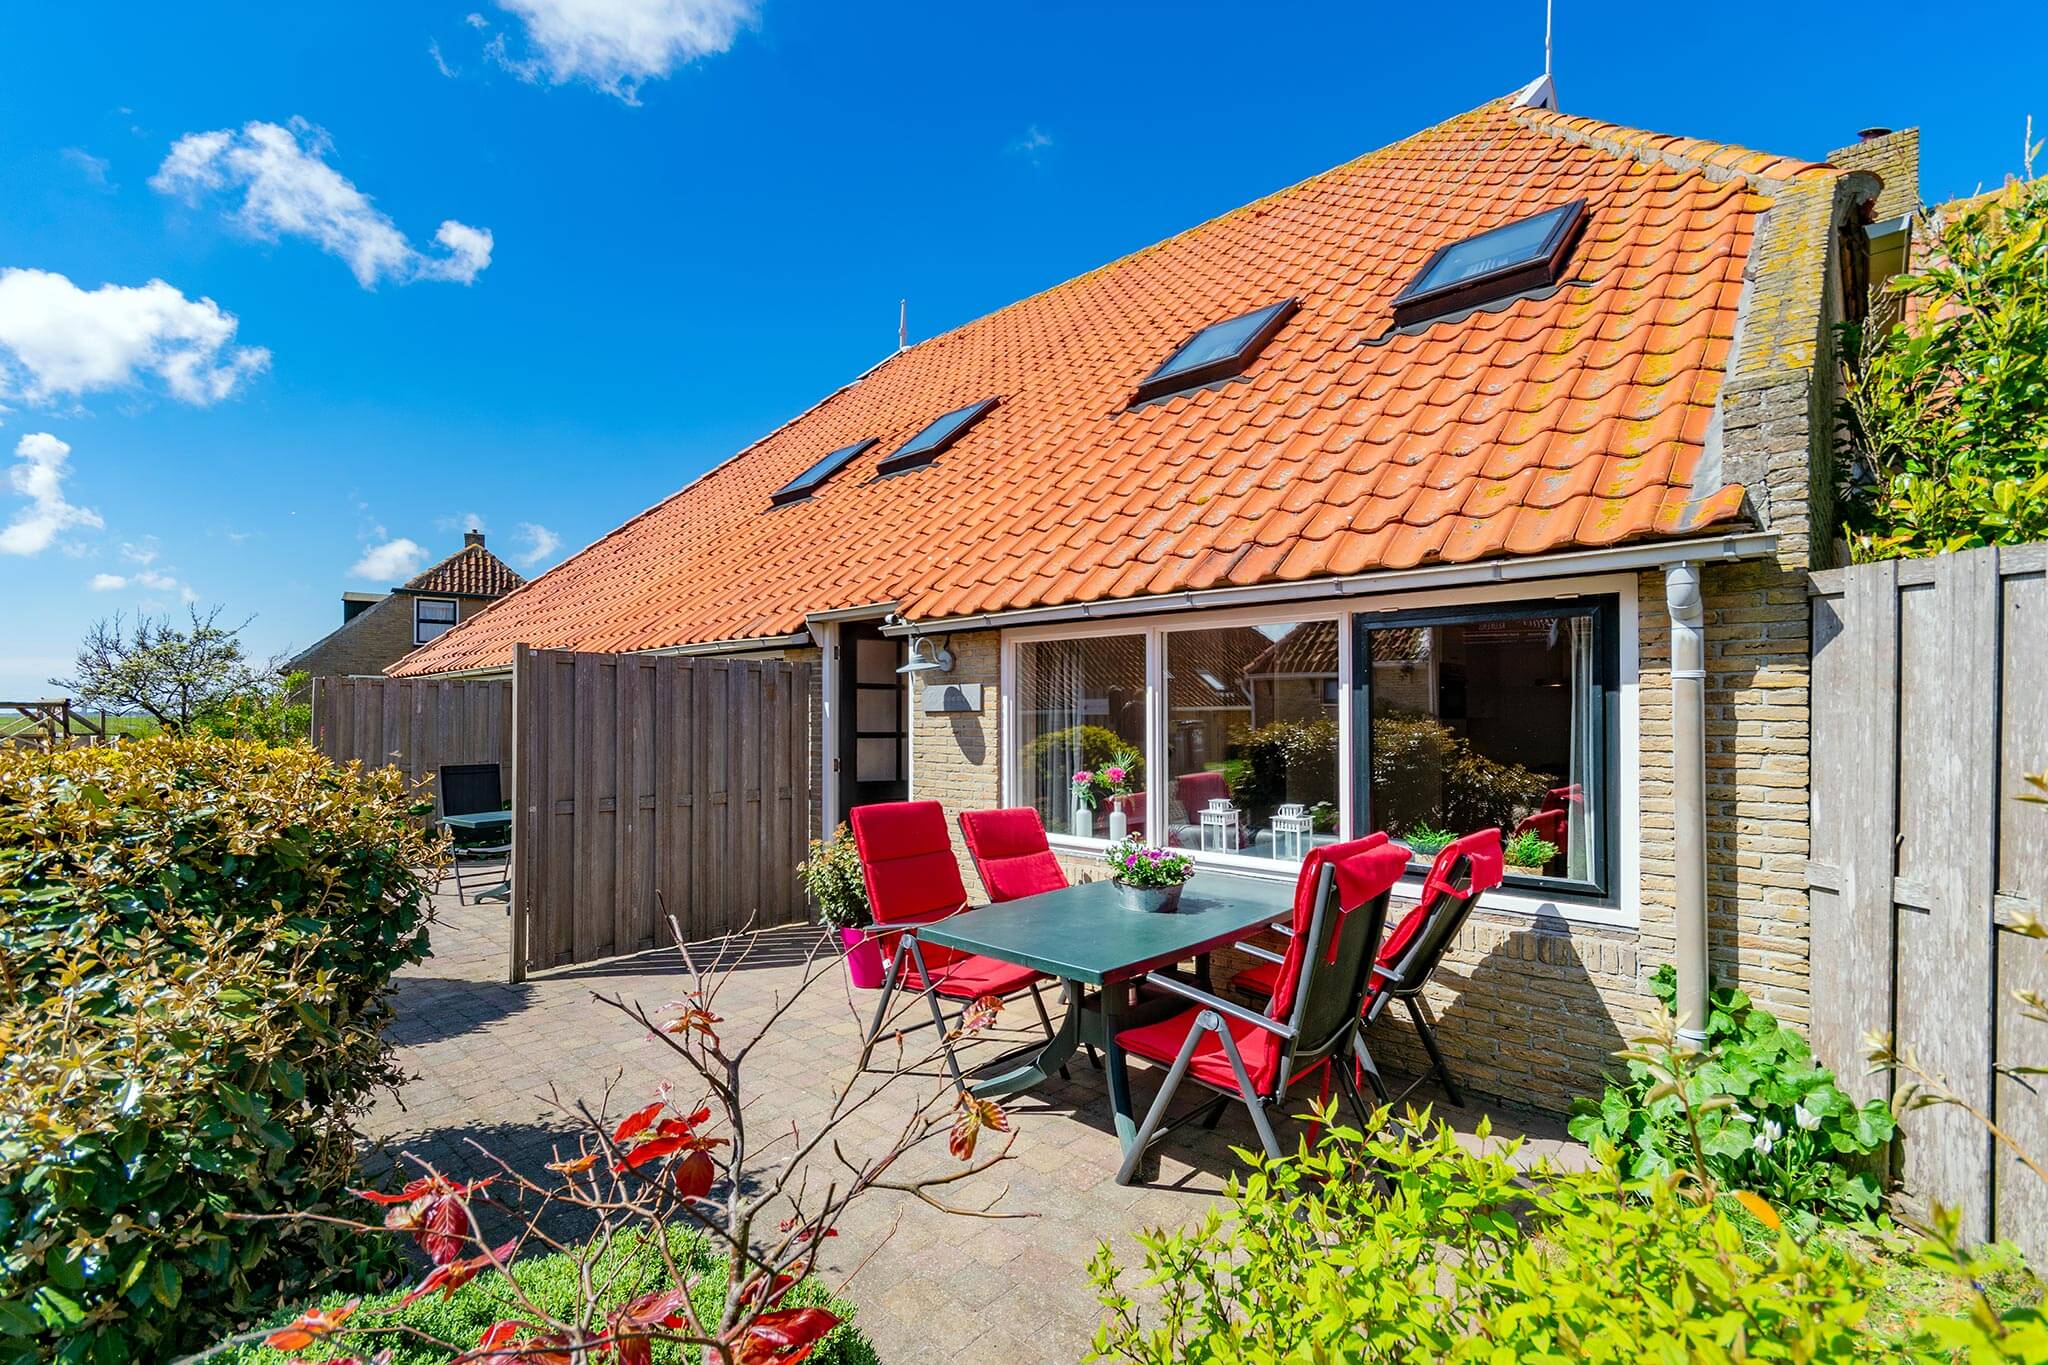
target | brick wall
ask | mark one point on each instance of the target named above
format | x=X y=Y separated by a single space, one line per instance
x=378 y=637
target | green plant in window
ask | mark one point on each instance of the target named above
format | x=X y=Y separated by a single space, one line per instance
x=1528 y=849
x=1426 y=839
x=1422 y=770
x=1056 y=755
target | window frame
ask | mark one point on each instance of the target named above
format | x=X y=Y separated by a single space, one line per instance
x=910 y=455
x=454 y=618
x=1542 y=269
x=1602 y=609
x=808 y=481
x=1545 y=901
x=1162 y=384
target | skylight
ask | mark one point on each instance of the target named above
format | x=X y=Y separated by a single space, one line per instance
x=806 y=483
x=1218 y=351
x=1528 y=253
x=924 y=447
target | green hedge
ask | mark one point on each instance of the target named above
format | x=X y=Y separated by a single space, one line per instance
x=629 y=1267
x=196 y=942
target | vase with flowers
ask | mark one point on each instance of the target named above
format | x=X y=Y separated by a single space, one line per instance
x=1148 y=878
x=1092 y=786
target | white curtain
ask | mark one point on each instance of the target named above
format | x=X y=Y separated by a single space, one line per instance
x=1588 y=723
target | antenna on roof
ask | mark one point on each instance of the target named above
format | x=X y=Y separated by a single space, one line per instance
x=1546 y=38
x=903 y=324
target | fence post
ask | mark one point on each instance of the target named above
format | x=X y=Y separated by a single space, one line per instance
x=515 y=967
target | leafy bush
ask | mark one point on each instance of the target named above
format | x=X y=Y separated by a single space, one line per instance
x=832 y=878
x=1947 y=410
x=1409 y=1246
x=1055 y=756
x=628 y=1266
x=196 y=941
x=1783 y=1128
x=1424 y=770
x=1273 y=763
x=271 y=710
x=1528 y=849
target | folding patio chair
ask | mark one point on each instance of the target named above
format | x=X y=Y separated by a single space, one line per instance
x=1462 y=870
x=1011 y=853
x=1314 y=1017
x=906 y=858
x=471 y=789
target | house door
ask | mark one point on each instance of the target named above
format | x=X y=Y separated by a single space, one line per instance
x=874 y=735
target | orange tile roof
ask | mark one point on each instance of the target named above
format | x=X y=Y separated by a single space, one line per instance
x=471 y=571
x=1553 y=422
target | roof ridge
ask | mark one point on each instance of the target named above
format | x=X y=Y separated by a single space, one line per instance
x=1715 y=160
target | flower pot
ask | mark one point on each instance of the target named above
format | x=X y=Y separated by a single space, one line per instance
x=1158 y=900
x=1119 y=823
x=1518 y=870
x=864 y=965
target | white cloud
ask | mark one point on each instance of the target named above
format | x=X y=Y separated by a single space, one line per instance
x=440 y=62
x=146 y=578
x=461 y=521
x=539 y=543
x=616 y=45
x=289 y=190
x=94 y=168
x=57 y=339
x=38 y=475
x=394 y=561
x=142 y=552
x=475 y=20
x=1034 y=141
x=108 y=582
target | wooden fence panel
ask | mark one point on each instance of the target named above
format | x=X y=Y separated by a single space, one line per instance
x=644 y=783
x=414 y=724
x=1928 y=707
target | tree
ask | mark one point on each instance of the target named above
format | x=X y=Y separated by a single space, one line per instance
x=177 y=673
x=1947 y=409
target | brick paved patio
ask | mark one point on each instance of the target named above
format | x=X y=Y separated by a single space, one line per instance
x=484 y=1055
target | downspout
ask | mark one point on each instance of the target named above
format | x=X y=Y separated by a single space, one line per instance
x=1689 y=793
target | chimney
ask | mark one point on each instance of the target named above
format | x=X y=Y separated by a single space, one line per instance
x=470 y=538
x=1893 y=156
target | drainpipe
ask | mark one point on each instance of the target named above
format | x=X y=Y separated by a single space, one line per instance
x=1689 y=792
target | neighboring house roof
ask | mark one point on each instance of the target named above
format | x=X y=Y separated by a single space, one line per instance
x=471 y=571
x=1571 y=418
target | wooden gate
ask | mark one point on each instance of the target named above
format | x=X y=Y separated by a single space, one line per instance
x=634 y=774
x=414 y=724
x=1930 y=703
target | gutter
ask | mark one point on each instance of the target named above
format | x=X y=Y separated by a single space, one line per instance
x=1689 y=796
x=1614 y=558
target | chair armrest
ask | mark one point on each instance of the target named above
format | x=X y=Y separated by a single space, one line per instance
x=1285 y=930
x=1221 y=1006
x=897 y=926
x=1253 y=950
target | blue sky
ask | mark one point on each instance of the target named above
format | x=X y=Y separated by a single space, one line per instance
x=673 y=224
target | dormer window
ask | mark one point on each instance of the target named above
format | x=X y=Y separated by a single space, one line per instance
x=808 y=482
x=1219 y=351
x=1513 y=258
x=927 y=445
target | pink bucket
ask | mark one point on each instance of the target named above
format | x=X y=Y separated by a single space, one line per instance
x=863 y=959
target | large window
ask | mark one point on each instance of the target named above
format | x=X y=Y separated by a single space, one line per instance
x=1252 y=739
x=1498 y=716
x=1081 y=709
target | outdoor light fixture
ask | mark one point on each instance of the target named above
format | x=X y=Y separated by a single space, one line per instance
x=925 y=655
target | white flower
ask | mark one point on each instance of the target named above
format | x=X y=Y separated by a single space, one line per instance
x=1805 y=1118
x=1767 y=1134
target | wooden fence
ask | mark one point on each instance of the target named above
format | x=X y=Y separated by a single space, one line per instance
x=634 y=774
x=414 y=724
x=1930 y=703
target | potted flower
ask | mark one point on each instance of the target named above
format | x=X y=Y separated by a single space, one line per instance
x=1148 y=878
x=832 y=878
x=1527 y=853
x=1092 y=786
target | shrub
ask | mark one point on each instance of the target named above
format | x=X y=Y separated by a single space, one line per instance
x=1410 y=1246
x=1947 y=430
x=1528 y=849
x=1056 y=755
x=1775 y=1122
x=833 y=879
x=1274 y=762
x=196 y=941
x=628 y=1266
x=1424 y=770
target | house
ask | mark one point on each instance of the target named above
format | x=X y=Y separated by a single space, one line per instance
x=1473 y=481
x=379 y=629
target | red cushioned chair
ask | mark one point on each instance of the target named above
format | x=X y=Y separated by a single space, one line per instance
x=1340 y=910
x=1462 y=870
x=1011 y=853
x=906 y=858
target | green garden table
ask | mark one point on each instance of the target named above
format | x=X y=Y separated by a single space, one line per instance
x=485 y=822
x=1084 y=936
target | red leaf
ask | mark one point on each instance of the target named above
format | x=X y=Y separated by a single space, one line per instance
x=767 y=1292
x=446 y=1279
x=976 y=1115
x=575 y=1165
x=444 y=1229
x=638 y=1120
x=694 y=1175
x=657 y=1309
x=311 y=1326
x=784 y=1337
